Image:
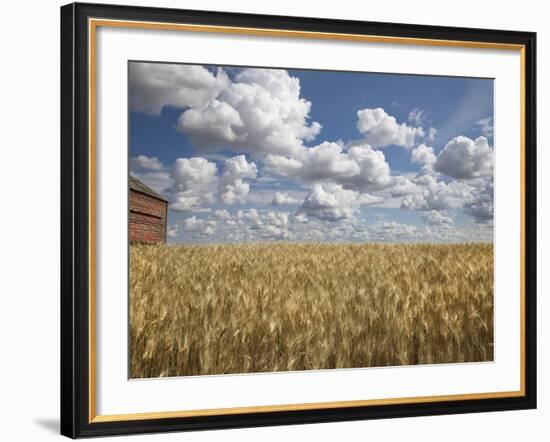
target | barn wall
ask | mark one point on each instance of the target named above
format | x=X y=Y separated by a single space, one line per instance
x=147 y=218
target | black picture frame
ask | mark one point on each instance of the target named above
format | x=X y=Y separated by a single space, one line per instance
x=75 y=220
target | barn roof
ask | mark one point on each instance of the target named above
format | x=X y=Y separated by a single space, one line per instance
x=138 y=186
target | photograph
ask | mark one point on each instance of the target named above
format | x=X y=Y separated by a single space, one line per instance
x=284 y=219
x=276 y=220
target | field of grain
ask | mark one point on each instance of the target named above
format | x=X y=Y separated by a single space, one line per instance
x=213 y=309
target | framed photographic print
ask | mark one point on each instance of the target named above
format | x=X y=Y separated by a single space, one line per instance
x=279 y=220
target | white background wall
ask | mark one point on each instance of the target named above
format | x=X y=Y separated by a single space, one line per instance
x=29 y=221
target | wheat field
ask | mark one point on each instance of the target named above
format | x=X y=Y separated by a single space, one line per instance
x=248 y=308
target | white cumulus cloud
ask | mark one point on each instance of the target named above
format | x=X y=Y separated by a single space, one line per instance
x=233 y=188
x=358 y=168
x=202 y=227
x=172 y=231
x=156 y=85
x=464 y=158
x=481 y=208
x=281 y=199
x=438 y=195
x=222 y=214
x=425 y=156
x=143 y=162
x=392 y=231
x=193 y=224
x=374 y=171
x=435 y=217
x=151 y=172
x=402 y=186
x=213 y=125
x=380 y=129
x=332 y=202
x=260 y=112
x=195 y=182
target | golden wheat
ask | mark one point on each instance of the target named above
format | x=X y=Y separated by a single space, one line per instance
x=212 y=309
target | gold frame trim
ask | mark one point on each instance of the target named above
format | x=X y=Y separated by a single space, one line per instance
x=93 y=24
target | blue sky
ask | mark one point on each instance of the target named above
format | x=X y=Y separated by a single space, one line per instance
x=255 y=154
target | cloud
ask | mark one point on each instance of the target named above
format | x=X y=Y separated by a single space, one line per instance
x=210 y=228
x=251 y=215
x=143 y=162
x=272 y=225
x=374 y=171
x=254 y=224
x=392 y=231
x=474 y=198
x=438 y=195
x=424 y=155
x=156 y=85
x=194 y=173
x=435 y=217
x=195 y=182
x=257 y=225
x=151 y=172
x=332 y=202
x=481 y=208
x=359 y=168
x=301 y=218
x=274 y=232
x=260 y=112
x=279 y=219
x=213 y=125
x=282 y=199
x=235 y=192
x=402 y=186
x=202 y=227
x=463 y=158
x=172 y=231
x=486 y=126
x=233 y=188
x=283 y=166
x=259 y=117
x=326 y=161
x=222 y=214
x=380 y=129
x=182 y=203
x=159 y=181
x=417 y=116
x=193 y=224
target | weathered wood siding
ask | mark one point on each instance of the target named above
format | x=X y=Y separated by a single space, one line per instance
x=147 y=218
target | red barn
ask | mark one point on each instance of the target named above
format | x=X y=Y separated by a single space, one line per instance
x=148 y=212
